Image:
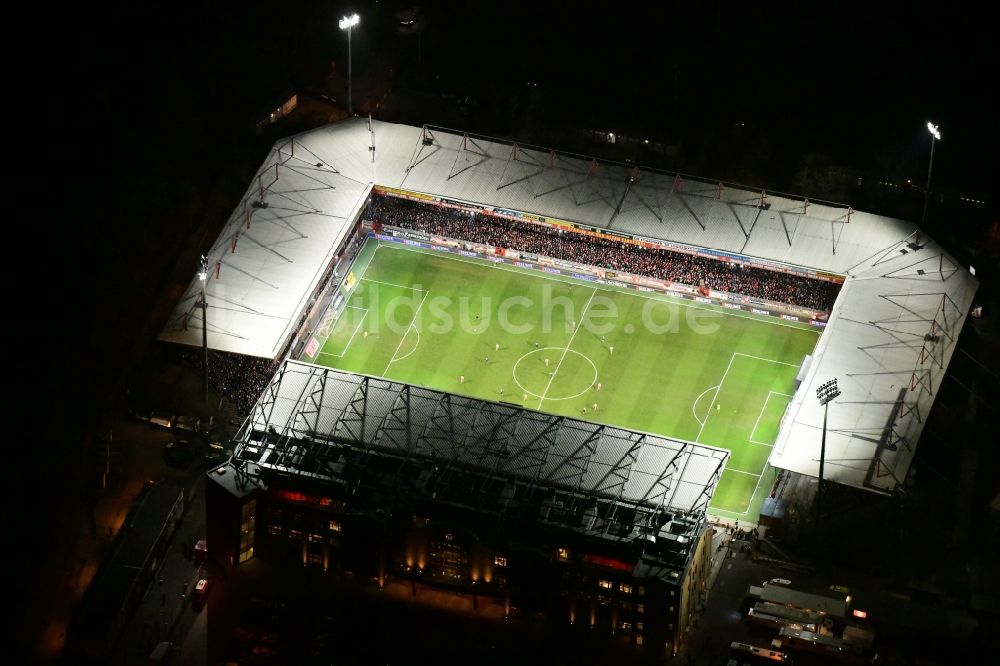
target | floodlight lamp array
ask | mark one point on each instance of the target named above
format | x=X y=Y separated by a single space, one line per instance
x=827 y=391
x=203 y=268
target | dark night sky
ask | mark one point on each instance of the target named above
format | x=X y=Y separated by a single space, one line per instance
x=839 y=76
x=850 y=78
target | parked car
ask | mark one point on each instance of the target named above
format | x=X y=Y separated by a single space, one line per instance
x=158 y=419
x=840 y=588
x=201 y=552
x=188 y=423
x=200 y=593
x=779 y=581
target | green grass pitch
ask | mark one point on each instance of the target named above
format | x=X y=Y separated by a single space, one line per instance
x=677 y=368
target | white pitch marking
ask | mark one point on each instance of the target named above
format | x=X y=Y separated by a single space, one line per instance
x=763 y=407
x=739 y=471
x=356 y=329
x=769 y=360
x=417 y=331
x=695 y=404
x=717 y=389
x=392 y=284
x=415 y=313
x=566 y=351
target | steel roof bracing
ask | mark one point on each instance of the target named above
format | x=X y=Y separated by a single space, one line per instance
x=308 y=414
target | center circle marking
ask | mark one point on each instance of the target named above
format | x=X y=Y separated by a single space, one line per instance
x=517 y=363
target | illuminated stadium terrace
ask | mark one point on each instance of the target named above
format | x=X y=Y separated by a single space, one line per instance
x=888 y=337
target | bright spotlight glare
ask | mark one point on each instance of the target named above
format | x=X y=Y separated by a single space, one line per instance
x=349 y=21
x=933 y=129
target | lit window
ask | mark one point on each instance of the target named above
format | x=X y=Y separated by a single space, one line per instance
x=671 y=609
x=642 y=590
x=640 y=609
x=606 y=584
x=563 y=554
x=672 y=593
x=638 y=639
x=294 y=534
x=670 y=625
x=500 y=561
x=274 y=529
x=625 y=625
x=626 y=588
x=334 y=526
x=315 y=538
x=640 y=625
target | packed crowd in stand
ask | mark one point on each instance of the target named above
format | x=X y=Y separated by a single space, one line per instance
x=243 y=378
x=240 y=378
x=603 y=252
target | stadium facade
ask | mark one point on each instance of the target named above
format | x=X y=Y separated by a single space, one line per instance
x=346 y=472
x=594 y=527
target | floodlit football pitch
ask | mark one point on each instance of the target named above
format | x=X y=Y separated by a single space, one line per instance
x=646 y=361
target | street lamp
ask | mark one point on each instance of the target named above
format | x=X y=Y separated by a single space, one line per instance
x=826 y=393
x=203 y=278
x=346 y=23
x=935 y=137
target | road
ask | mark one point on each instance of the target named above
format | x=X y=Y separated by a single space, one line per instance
x=166 y=613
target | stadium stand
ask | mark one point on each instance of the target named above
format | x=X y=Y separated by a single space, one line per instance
x=662 y=264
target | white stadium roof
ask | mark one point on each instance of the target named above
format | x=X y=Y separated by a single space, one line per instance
x=901 y=286
x=305 y=402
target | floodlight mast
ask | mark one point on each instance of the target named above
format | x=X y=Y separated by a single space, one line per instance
x=203 y=278
x=935 y=137
x=346 y=23
x=825 y=393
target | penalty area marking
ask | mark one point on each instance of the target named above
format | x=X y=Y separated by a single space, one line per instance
x=757 y=422
x=565 y=350
x=392 y=284
x=760 y=477
x=356 y=329
x=719 y=388
x=769 y=360
x=740 y=471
